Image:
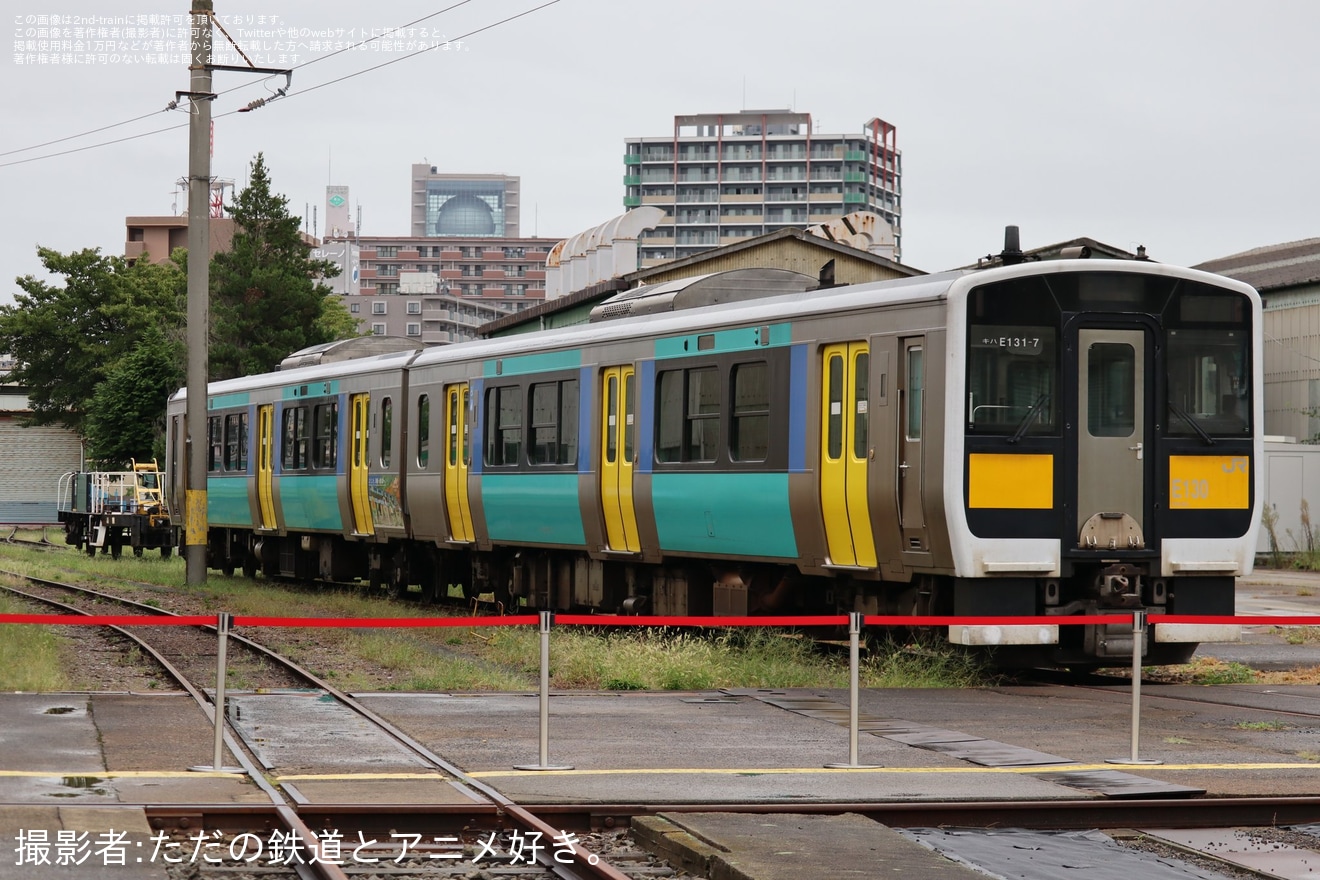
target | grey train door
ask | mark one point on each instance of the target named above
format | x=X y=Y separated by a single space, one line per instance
x=1112 y=438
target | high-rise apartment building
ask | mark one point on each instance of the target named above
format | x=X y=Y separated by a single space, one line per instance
x=479 y=205
x=439 y=290
x=722 y=177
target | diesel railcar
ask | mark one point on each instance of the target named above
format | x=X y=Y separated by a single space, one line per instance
x=1053 y=438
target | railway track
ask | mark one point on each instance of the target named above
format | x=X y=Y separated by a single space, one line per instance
x=1228 y=838
x=489 y=810
x=1213 y=825
x=21 y=536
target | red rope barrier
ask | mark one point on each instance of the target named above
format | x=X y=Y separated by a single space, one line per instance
x=110 y=619
x=675 y=620
x=656 y=620
x=510 y=620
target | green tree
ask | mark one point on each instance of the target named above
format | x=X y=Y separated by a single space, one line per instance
x=67 y=337
x=127 y=417
x=267 y=299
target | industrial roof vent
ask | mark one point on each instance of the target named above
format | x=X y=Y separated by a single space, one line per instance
x=735 y=285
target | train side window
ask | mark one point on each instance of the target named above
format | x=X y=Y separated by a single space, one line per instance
x=1111 y=389
x=554 y=422
x=545 y=423
x=669 y=421
x=454 y=410
x=703 y=414
x=688 y=421
x=834 y=425
x=629 y=415
x=423 y=430
x=236 y=437
x=611 y=420
x=469 y=419
x=386 y=431
x=214 y=444
x=568 y=421
x=325 y=428
x=504 y=435
x=862 y=403
x=749 y=438
x=294 y=447
x=915 y=387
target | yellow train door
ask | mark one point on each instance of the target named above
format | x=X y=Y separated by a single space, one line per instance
x=359 y=464
x=844 y=454
x=265 y=468
x=458 y=459
x=618 y=433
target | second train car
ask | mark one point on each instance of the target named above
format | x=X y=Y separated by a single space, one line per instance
x=1067 y=437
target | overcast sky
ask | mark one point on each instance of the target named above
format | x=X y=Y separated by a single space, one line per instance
x=1187 y=126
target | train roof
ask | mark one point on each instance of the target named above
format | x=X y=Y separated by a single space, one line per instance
x=773 y=308
x=790 y=306
x=312 y=373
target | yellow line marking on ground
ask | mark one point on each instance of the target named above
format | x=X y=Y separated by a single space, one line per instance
x=439 y=777
x=124 y=774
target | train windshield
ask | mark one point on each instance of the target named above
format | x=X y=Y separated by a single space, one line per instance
x=1011 y=379
x=1209 y=382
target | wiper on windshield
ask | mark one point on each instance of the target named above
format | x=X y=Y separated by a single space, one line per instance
x=1196 y=426
x=1036 y=408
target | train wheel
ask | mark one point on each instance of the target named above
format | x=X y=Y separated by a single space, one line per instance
x=91 y=549
x=227 y=569
x=249 y=566
x=116 y=549
x=429 y=590
x=137 y=551
x=166 y=552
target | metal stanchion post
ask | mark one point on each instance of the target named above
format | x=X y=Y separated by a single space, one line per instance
x=223 y=622
x=547 y=620
x=1138 y=637
x=854 y=662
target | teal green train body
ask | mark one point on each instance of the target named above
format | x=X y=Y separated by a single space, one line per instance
x=1035 y=439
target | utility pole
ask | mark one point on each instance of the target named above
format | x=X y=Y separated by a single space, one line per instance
x=199 y=282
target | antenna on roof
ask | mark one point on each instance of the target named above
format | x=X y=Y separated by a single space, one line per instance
x=1012 y=254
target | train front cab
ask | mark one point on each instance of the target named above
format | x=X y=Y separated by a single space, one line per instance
x=1111 y=428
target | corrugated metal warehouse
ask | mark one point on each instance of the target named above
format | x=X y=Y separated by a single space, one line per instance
x=33 y=459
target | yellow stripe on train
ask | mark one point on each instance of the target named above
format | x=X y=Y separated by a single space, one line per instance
x=1010 y=481
x=1209 y=482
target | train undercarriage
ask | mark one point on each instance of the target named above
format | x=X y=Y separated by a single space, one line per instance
x=514 y=578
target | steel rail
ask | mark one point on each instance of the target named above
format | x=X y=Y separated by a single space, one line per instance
x=1070 y=814
x=281 y=807
x=1152 y=693
x=499 y=802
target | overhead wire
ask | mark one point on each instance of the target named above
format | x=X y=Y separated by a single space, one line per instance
x=348 y=48
x=124 y=122
x=457 y=39
x=82 y=134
